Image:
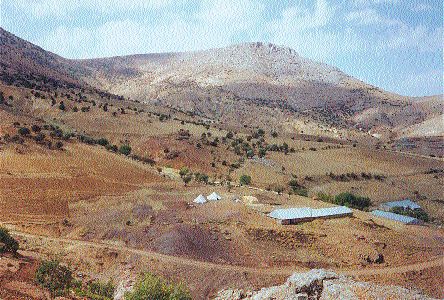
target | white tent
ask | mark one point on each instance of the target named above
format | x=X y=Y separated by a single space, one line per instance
x=200 y=199
x=214 y=197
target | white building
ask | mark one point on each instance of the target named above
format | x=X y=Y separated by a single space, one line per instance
x=293 y=215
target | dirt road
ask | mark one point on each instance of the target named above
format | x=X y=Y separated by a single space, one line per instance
x=435 y=262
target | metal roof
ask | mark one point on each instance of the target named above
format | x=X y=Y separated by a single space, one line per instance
x=307 y=212
x=407 y=203
x=331 y=211
x=395 y=217
x=291 y=213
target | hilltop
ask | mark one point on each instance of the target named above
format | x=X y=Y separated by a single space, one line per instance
x=253 y=84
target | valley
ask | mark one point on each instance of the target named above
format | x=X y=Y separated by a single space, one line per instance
x=100 y=161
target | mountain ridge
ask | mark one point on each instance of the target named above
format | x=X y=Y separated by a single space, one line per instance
x=259 y=83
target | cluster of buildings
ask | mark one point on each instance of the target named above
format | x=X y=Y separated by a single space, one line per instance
x=385 y=208
x=287 y=216
x=294 y=215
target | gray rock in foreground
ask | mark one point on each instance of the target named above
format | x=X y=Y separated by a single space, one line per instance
x=324 y=285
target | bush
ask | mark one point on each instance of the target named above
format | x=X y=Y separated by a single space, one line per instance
x=414 y=213
x=112 y=148
x=301 y=191
x=7 y=242
x=245 y=180
x=36 y=128
x=150 y=286
x=125 y=149
x=351 y=200
x=62 y=106
x=183 y=171
x=187 y=179
x=96 y=290
x=102 y=142
x=325 y=197
x=201 y=177
x=58 y=145
x=39 y=137
x=24 y=131
x=54 y=277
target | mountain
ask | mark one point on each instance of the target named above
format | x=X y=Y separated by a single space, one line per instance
x=253 y=84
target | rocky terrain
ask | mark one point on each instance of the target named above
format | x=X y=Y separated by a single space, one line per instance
x=252 y=84
x=323 y=285
x=100 y=161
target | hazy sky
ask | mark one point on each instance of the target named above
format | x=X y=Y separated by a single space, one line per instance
x=394 y=44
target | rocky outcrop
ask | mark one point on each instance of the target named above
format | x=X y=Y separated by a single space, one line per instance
x=323 y=285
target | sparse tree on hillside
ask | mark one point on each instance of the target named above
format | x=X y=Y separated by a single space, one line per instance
x=125 y=149
x=187 y=179
x=54 y=277
x=24 y=131
x=245 y=180
x=7 y=242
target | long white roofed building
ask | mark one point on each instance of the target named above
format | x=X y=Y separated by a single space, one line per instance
x=294 y=215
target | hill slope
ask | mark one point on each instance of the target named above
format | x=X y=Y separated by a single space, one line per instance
x=254 y=84
x=231 y=83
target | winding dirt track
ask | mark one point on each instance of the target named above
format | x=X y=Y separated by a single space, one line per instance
x=437 y=261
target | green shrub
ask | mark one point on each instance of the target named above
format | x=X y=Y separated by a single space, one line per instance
x=96 y=290
x=414 y=213
x=102 y=142
x=187 y=179
x=183 y=171
x=36 y=128
x=301 y=191
x=54 y=277
x=245 y=180
x=201 y=177
x=112 y=148
x=325 y=197
x=351 y=200
x=149 y=286
x=125 y=149
x=8 y=243
x=24 y=131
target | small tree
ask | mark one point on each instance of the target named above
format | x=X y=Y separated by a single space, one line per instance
x=125 y=149
x=186 y=179
x=24 y=131
x=62 y=106
x=201 y=177
x=7 y=242
x=102 y=142
x=351 y=200
x=183 y=171
x=245 y=180
x=36 y=128
x=54 y=277
x=58 y=145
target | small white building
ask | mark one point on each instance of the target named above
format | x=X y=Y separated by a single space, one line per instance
x=200 y=199
x=214 y=197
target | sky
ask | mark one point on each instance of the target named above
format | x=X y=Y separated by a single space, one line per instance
x=394 y=44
